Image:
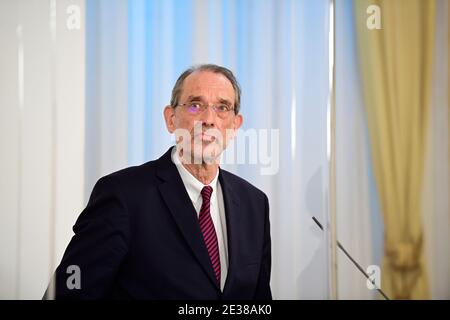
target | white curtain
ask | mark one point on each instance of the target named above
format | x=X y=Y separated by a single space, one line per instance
x=41 y=140
x=279 y=52
x=436 y=205
x=359 y=225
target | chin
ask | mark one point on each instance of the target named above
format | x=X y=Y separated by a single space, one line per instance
x=211 y=152
x=202 y=152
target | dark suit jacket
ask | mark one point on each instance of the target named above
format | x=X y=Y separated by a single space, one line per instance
x=139 y=238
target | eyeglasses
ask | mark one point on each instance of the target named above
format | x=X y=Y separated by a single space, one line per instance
x=222 y=110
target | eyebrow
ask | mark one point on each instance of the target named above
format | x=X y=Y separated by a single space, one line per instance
x=200 y=98
x=225 y=101
x=195 y=98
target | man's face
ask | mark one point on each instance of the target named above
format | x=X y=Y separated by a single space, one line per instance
x=205 y=134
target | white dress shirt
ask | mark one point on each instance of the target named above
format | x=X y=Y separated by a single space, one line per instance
x=217 y=209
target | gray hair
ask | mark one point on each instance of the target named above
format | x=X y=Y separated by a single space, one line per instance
x=177 y=89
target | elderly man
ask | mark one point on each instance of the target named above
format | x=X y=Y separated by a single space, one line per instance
x=179 y=227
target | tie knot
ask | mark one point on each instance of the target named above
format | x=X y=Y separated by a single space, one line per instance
x=206 y=192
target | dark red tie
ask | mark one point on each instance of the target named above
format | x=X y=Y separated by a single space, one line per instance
x=209 y=232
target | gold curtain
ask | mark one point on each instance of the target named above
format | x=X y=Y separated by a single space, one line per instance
x=396 y=64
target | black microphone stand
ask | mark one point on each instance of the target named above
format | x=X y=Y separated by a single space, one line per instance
x=354 y=262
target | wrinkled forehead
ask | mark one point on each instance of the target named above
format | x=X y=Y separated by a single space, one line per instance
x=208 y=85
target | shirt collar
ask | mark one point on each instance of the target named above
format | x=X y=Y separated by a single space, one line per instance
x=192 y=184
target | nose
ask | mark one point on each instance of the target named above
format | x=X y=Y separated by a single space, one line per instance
x=208 y=117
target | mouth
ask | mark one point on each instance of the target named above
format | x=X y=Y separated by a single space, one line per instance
x=205 y=137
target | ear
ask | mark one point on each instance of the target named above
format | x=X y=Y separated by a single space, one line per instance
x=169 y=113
x=237 y=122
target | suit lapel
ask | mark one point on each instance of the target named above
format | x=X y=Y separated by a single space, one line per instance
x=180 y=206
x=231 y=204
